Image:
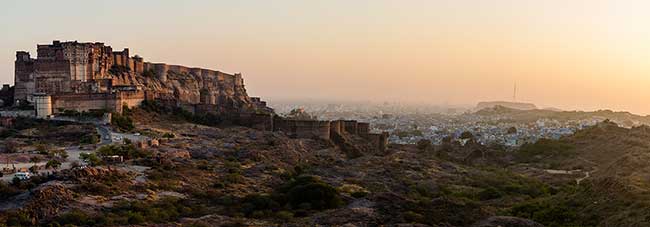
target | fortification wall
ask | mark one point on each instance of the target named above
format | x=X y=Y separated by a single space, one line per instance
x=350 y=126
x=112 y=102
x=303 y=128
x=162 y=69
x=257 y=121
x=84 y=102
x=310 y=129
x=378 y=140
x=130 y=99
x=336 y=127
x=363 y=129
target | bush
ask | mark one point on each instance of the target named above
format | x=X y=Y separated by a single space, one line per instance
x=55 y=164
x=128 y=151
x=423 y=144
x=18 y=218
x=89 y=139
x=259 y=203
x=466 y=135
x=294 y=198
x=208 y=119
x=90 y=159
x=284 y=215
x=544 y=147
x=7 y=191
x=122 y=122
x=74 y=218
x=359 y=194
x=311 y=193
x=490 y=193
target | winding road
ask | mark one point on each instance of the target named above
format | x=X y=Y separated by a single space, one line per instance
x=106 y=137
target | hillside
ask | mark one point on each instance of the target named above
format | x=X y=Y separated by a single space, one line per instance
x=234 y=176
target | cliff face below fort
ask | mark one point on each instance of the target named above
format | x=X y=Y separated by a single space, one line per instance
x=189 y=86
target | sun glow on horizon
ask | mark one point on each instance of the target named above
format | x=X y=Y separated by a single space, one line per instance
x=584 y=54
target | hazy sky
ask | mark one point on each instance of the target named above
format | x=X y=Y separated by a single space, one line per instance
x=578 y=54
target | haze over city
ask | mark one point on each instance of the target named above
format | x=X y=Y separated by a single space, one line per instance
x=585 y=54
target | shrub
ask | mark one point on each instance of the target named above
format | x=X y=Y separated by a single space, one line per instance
x=208 y=119
x=90 y=159
x=284 y=215
x=359 y=194
x=122 y=122
x=423 y=144
x=169 y=135
x=544 y=147
x=74 y=218
x=312 y=192
x=89 y=139
x=55 y=164
x=466 y=135
x=413 y=217
x=128 y=151
x=260 y=204
x=7 y=191
x=490 y=193
x=18 y=218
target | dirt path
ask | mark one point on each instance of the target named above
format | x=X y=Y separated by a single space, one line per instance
x=569 y=172
x=588 y=173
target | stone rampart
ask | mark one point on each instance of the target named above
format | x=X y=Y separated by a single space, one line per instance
x=336 y=127
x=350 y=126
x=303 y=128
x=363 y=129
x=112 y=102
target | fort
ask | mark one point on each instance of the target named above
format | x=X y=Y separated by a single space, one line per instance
x=92 y=76
x=88 y=76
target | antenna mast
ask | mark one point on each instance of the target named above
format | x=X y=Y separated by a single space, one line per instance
x=514 y=92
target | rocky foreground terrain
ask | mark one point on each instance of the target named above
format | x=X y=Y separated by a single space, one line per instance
x=233 y=176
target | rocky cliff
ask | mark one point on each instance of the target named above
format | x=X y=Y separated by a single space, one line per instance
x=188 y=86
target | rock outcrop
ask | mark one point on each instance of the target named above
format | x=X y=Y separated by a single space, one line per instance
x=48 y=200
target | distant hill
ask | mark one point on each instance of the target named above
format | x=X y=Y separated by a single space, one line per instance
x=553 y=109
x=511 y=105
x=625 y=119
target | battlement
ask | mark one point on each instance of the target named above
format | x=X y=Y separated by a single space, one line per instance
x=23 y=56
x=334 y=131
x=161 y=70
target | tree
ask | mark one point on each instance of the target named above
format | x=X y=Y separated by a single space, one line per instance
x=54 y=164
x=91 y=159
x=512 y=130
x=35 y=159
x=466 y=135
x=423 y=144
x=42 y=149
